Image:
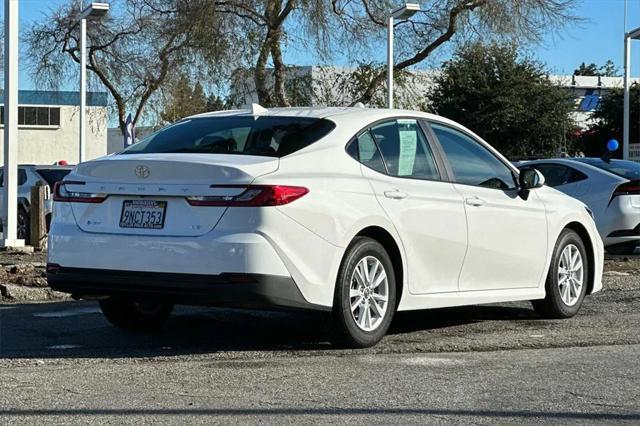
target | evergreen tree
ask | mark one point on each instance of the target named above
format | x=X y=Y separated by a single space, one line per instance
x=507 y=100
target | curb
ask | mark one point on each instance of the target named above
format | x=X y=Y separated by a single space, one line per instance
x=17 y=293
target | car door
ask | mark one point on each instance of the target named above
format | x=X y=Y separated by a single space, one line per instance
x=507 y=233
x=427 y=212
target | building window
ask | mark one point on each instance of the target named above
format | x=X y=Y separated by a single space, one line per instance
x=54 y=116
x=30 y=116
x=35 y=116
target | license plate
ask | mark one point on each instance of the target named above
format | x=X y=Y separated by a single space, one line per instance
x=143 y=214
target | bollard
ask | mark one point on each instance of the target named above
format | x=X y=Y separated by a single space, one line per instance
x=38 y=224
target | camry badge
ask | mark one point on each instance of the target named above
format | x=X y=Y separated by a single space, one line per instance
x=142 y=172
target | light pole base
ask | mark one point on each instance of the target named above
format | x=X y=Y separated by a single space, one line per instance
x=11 y=243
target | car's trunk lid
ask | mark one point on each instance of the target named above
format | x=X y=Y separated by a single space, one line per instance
x=163 y=181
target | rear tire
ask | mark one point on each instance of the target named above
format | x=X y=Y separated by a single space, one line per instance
x=135 y=316
x=622 y=249
x=567 y=279
x=365 y=295
x=24 y=226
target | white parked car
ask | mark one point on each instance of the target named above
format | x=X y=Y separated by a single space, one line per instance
x=358 y=212
x=610 y=188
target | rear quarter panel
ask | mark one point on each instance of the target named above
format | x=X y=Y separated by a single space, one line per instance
x=339 y=205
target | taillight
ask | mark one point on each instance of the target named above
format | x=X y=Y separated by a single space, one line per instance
x=629 y=188
x=61 y=194
x=252 y=196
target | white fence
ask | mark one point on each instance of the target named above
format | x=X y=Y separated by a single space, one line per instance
x=634 y=152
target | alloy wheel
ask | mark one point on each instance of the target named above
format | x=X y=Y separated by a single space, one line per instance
x=21 y=227
x=570 y=275
x=369 y=293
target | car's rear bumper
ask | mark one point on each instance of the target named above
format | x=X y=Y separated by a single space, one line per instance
x=623 y=235
x=227 y=289
x=621 y=224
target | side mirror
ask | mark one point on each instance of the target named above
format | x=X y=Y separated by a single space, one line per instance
x=530 y=178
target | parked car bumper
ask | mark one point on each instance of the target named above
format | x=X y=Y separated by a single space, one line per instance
x=226 y=289
x=623 y=224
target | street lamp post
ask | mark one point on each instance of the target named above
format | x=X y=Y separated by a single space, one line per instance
x=93 y=11
x=405 y=11
x=631 y=35
x=10 y=173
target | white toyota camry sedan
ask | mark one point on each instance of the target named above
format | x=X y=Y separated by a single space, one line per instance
x=353 y=211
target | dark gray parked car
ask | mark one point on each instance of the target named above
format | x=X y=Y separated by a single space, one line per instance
x=28 y=176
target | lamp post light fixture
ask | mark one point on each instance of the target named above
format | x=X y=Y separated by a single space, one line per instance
x=94 y=11
x=631 y=35
x=405 y=11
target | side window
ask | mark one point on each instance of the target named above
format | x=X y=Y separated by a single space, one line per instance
x=471 y=162
x=576 y=176
x=364 y=149
x=557 y=174
x=405 y=149
x=22 y=177
x=554 y=174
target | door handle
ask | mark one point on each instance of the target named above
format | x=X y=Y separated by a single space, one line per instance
x=475 y=201
x=395 y=194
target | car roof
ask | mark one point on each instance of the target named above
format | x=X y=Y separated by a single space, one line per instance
x=350 y=119
x=55 y=167
x=323 y=112
x=43 y=167
x=576 y=163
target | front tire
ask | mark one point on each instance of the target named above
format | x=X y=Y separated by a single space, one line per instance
x=135 y=316
x=567 y=280
x=365 y=296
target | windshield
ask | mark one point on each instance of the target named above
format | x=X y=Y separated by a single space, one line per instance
x=247 y=135
x=51 y=176
x=625 y=169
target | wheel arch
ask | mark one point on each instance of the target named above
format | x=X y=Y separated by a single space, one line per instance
x=392 y=247
x=582 y=232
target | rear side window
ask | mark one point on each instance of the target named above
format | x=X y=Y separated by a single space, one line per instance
x=264 y=136
x=51 y=176
x=22 y=177
x=365 y=150
x=405 y=149
x=622 y=168
x=558 y=175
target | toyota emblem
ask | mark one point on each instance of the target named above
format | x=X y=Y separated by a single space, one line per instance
x=142 y=172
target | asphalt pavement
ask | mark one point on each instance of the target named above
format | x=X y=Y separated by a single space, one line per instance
x=63 y=363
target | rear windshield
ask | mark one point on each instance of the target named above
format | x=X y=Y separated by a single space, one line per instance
x=625 y=169
x=266 y=136
x=51 y=176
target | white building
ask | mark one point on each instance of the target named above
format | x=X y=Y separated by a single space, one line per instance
x=332 y=86
x=48 y=126
x=115 y=139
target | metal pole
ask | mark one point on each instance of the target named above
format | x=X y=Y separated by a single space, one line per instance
x=83 y=88
x=627 y=76
x=10 y=179
x=390 y=64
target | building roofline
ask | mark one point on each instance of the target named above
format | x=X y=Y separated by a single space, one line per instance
x=55 y=98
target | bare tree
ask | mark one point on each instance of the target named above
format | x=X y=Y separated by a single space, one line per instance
x=268 y=25
x=140 y=45
x=443 y=20
x=332 y=27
